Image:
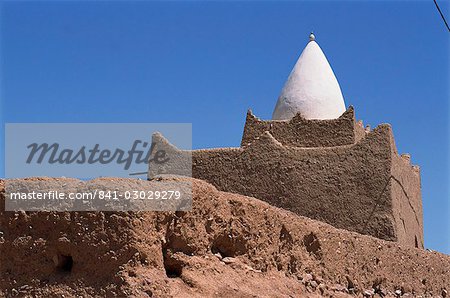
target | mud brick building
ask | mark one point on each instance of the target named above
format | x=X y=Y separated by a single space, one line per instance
x=314 y=159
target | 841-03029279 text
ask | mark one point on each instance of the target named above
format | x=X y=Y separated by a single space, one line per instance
x=99 y=194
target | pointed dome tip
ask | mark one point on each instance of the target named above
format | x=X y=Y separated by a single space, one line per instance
x=311 y=88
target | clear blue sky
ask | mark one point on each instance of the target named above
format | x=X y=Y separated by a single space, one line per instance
x=208 y=62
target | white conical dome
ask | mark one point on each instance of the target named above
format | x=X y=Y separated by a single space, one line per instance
x=311 y=89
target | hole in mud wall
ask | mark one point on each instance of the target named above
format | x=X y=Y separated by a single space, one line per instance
x=64 y=263
x=173 y=267
x=285 y=238
x=416 y=243
x=173 y=270
x=228 y=246
x=312 y=245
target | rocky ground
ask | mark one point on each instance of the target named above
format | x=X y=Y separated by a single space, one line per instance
x=228 y=246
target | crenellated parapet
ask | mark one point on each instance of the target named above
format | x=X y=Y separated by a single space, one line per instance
x=301 y=132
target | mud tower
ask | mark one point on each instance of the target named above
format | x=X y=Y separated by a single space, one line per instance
x=314 y=159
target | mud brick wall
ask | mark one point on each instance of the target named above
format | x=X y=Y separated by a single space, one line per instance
x=362 y=186
x=358 y=187
x=300 y=132
x=407 y=200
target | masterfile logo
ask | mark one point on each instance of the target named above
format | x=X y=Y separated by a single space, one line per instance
x=53 y=154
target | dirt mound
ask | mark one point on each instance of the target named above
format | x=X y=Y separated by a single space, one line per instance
x=228 y=246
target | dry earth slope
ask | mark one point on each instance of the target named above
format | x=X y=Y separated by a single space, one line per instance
x=228 y=246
